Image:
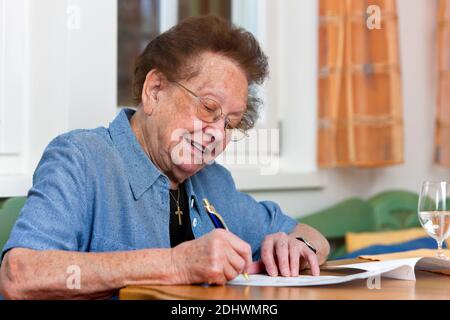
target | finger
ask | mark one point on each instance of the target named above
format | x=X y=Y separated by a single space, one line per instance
x=294 y=258
x=256 y=267
x=303 y=263
x=312 y=261
x=230 y=272
x=236 y=261
x=268 y=258
x=282 y=253
x=241 y=247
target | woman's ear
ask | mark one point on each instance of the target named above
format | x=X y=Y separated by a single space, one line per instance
x=150 y=91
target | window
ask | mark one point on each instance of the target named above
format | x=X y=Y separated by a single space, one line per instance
x=141 y=20
x=188 y=8
x=138 y=25
x=287 y=31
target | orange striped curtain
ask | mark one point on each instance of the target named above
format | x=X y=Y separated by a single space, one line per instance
x=443 y=102
x=360 y=106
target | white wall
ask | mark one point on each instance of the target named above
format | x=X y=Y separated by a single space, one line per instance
x=72 y=68
x=13 y=46
x=68 y=78
x=417 y=36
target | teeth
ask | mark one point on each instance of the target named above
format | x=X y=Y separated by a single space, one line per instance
x=197 y=146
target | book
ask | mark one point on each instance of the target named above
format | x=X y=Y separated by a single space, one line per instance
x=373 y=266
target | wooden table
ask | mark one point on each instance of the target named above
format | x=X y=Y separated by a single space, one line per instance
x=429 y=286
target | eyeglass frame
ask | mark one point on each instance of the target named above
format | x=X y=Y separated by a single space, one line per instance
x=222 y=115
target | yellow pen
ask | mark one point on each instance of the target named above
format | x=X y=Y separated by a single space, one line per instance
x=219 y=223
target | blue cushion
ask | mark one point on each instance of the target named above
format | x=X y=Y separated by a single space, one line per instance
x=421 y=243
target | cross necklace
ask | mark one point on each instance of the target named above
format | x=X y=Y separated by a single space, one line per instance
x=179 y=212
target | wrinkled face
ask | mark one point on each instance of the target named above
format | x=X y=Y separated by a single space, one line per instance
x=186 y=143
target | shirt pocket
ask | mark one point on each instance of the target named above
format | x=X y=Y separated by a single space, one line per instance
x=100 y=244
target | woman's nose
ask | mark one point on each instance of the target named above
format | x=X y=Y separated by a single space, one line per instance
x=215 y=132
x=221 y=123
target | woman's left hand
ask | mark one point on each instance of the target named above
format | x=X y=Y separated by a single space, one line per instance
x=284 y=255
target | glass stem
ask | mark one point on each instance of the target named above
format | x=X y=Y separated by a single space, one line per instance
x=440 y=253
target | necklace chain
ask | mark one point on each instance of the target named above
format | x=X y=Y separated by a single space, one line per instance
x=178 y=212
x=178 y=197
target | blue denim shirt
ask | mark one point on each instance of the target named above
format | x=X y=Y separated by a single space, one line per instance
x=97 y=191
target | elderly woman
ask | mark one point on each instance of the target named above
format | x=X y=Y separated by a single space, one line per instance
x=124 y=205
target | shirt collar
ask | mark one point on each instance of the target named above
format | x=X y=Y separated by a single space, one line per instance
x=141 y=171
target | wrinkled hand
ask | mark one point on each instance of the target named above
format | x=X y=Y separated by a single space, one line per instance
x=215 y=258
x=286 y=256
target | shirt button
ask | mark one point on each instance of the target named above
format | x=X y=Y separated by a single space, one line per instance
x=194 y=222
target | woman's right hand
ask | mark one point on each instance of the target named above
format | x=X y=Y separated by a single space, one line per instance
x=215 y=258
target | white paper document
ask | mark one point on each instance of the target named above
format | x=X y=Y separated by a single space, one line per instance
x=397 y=269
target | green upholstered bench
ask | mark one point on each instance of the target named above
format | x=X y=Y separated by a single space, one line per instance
x=9 y=211
x=391 y=210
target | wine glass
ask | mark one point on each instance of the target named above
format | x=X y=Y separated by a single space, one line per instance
x=434 y=212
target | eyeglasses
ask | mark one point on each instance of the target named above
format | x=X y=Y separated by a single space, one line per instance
x=210 y=111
